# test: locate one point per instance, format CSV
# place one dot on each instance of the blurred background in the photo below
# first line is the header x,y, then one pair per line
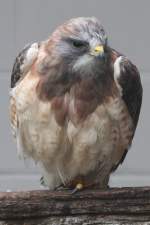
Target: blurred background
x,y
26,21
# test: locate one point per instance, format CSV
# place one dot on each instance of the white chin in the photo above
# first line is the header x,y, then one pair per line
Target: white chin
x,y
84,63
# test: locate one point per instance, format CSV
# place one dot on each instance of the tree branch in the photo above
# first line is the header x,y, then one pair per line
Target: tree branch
x,y
119,204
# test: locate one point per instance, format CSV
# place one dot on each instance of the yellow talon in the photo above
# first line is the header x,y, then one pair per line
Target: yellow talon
x,y
78,187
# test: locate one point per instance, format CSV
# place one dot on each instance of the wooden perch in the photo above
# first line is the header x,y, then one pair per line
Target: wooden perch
x,y
89,207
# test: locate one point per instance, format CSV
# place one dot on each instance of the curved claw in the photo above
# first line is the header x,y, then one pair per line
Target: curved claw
x,y
42,181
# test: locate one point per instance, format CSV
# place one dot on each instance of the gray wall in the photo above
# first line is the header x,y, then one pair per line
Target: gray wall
x,y
24,21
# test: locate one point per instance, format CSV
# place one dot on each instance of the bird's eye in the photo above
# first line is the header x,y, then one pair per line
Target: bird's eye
x,y
78,44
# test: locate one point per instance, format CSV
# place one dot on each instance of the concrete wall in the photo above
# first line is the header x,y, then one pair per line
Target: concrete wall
x,y
127,25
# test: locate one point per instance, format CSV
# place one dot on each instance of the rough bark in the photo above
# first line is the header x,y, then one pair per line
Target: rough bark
x,y
89,207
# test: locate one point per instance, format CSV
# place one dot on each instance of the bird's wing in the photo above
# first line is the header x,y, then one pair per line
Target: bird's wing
x,y
22,65
23,62
128,79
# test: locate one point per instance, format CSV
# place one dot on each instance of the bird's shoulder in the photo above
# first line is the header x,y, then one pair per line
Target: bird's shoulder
x,y
23,62
127,78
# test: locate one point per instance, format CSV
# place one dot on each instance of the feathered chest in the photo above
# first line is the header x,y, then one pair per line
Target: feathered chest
x,y
77,116
77,99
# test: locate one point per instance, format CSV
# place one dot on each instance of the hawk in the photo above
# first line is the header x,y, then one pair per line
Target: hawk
x,y
74,105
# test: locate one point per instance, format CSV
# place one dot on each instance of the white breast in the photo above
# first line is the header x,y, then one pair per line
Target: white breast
x,y
71,150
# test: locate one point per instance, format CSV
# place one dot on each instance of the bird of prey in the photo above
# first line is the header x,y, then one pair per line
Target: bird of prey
x,y
74,105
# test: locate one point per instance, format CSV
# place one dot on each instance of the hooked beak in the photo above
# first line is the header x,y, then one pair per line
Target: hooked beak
x,y
97,51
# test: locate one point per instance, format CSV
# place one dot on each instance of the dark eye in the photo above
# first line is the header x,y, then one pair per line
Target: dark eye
x,y
78,44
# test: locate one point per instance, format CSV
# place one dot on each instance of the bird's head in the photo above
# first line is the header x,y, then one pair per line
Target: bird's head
x,y
81,43
75,51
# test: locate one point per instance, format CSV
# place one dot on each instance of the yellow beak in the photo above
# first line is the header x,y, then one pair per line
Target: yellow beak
x,y
98,50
